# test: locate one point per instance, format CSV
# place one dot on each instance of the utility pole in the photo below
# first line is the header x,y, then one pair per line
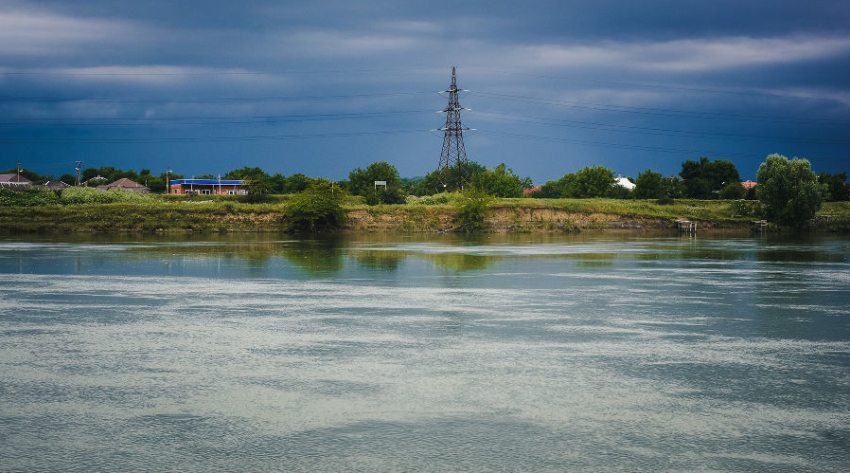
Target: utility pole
x,y
454,151
79,166
168,180
19,171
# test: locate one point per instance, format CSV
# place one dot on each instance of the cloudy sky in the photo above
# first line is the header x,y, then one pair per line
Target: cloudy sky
x,y
322,87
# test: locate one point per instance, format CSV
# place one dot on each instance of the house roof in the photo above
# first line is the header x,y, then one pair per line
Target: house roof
x,y
748,184
125,183
528,191
625,182
13,178
56,185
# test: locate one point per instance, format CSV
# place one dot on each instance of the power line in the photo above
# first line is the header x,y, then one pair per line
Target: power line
x,y
207,100
198,120
210,138
214,73
656,111
654,131
617,145
644,84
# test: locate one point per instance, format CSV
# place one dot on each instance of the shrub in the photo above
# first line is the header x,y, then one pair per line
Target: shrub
x,y
319,207
28,198
88,195
733,191
472,209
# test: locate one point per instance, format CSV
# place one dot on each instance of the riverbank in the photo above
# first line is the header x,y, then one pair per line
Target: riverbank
x,y
506,215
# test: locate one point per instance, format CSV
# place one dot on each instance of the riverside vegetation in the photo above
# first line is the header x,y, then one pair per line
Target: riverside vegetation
x,y
789,194
89,210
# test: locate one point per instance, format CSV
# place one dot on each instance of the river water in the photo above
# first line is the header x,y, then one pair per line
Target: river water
x,y
425,353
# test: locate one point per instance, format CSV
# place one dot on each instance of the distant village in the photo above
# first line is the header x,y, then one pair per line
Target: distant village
x,y
16,181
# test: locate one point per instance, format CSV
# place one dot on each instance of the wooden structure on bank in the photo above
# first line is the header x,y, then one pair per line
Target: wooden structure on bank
x,y
686,226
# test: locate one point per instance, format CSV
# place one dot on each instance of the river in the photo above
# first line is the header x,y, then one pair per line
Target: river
x,y
424,353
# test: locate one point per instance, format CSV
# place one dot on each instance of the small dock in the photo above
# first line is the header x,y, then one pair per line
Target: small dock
x,y
687,226
760,226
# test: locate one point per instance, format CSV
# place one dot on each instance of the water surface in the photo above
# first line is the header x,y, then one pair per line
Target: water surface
x,y
530,352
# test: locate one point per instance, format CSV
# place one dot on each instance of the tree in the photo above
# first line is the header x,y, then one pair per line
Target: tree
x,y
472,209
319,207
500,182
789,190
361,181
648,185
671,188
297,183
69,179
431,183
589,182
733,191
705,179
835,183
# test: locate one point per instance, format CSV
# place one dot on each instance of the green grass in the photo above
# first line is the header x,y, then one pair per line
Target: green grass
x,y
52,212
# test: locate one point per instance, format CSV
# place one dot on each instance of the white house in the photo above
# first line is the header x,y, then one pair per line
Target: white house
x,y
625,183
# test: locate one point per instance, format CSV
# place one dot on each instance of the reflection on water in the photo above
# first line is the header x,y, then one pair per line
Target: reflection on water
x,y
529,352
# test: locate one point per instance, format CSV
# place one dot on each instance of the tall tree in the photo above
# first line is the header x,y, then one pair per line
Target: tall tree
x,y
648,185
836,184
704,179
501,182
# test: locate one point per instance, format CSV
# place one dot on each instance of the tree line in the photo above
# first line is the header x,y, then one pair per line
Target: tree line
x,y
698,179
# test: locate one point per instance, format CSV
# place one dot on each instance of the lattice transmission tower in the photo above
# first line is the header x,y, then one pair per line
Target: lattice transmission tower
x,y
454,152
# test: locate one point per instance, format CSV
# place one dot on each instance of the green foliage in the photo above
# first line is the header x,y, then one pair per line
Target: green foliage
x,y
747,208
319,207
247,173
836,185
789,190
28,198
648,185
433,184
500,182
297,183
258,190
733,191
471,208
671,187
704,179
591,181
88,195
361,182
109,173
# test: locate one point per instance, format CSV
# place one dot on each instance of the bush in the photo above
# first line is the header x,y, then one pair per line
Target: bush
x,y
88,195
733,191
472,209
789,190
319,207
28,198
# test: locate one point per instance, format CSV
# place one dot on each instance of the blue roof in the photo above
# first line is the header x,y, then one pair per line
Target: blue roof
x,y
209,181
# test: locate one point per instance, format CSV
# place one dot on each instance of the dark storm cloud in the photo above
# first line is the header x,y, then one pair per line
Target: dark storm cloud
x,y
189,62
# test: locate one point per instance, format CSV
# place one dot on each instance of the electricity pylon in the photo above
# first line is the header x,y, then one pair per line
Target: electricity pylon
x,y
454,152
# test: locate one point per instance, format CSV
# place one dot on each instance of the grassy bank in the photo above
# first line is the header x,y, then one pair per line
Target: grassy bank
x,y
153,213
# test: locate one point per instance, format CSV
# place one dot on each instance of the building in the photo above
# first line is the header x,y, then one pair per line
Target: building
x,y
54,186
748,184
14,181
208,187
126,185
625,183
